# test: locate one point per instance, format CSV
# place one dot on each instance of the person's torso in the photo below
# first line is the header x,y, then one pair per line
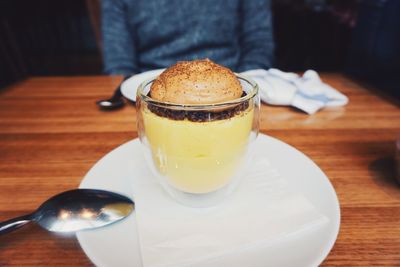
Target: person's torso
x,y
165,31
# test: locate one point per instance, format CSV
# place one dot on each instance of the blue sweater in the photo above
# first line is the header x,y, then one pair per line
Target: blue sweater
x,y
140,35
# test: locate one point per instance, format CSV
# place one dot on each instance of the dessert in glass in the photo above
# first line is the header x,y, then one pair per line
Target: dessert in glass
x,y
196,122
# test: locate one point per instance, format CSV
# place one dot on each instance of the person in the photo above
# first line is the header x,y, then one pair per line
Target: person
x,y
140,35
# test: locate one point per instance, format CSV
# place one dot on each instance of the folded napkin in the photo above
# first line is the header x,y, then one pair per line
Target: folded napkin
x,y
263,209
307,93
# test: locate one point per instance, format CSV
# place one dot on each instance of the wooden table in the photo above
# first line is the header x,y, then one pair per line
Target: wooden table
x,y
51,133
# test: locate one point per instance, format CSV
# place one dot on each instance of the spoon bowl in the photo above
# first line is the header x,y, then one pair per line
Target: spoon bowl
x,y
116,101
75,210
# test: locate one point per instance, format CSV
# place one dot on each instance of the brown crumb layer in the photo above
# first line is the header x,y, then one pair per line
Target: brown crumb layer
x,y
198,116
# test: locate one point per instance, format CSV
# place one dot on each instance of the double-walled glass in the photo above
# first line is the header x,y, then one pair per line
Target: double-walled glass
x,y
198,152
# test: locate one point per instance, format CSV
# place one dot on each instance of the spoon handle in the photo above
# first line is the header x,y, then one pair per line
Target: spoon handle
x,y
13,224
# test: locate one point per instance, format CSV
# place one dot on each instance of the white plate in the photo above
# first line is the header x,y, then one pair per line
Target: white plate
x,y
117,245
129,86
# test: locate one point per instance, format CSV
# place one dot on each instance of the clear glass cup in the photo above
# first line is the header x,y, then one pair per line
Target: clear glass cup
x,y
198,152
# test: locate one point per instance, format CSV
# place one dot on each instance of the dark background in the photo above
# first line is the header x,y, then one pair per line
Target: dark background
x,y
358,37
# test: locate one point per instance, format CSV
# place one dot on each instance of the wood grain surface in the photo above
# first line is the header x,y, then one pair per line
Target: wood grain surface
x,y
51,133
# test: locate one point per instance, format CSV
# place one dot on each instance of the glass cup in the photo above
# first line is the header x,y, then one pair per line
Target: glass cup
x,y
198,152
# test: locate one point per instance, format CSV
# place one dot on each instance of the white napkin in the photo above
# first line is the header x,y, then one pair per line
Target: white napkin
x,y
307,93
261,211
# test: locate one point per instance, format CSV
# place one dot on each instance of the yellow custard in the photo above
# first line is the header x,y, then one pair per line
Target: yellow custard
x,y
198,157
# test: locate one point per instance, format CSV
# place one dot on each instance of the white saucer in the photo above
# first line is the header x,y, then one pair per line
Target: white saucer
x,y
117,245
129,86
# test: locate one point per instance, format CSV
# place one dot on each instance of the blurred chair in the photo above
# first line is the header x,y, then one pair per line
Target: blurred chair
x,y
94,8
12,64
313,33
374,55
46,37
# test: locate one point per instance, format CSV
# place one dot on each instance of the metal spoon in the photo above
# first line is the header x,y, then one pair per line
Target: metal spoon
x,y
75,210
116,101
